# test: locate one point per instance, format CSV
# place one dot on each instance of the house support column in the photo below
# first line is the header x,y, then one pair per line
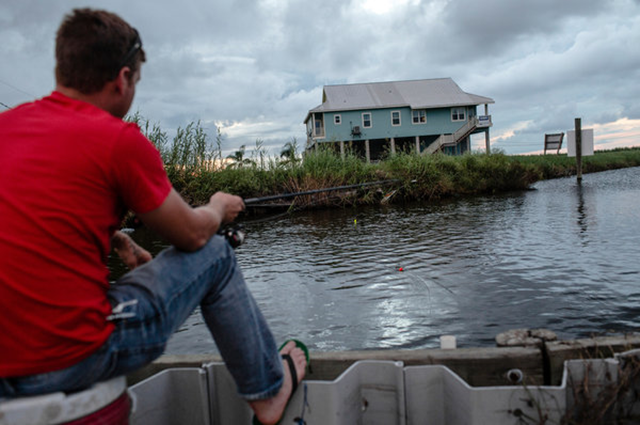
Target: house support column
x,y
418,145
367,150
486,142
393,146
486,133
342,148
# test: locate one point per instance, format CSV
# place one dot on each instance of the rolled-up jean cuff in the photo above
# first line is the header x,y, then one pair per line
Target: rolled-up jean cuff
x,y
268,393
150,303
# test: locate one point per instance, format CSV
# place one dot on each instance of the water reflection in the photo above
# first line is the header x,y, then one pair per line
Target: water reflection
x,y
562,257
582,212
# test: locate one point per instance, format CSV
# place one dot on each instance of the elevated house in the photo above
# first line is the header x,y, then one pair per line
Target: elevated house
x,y
372,119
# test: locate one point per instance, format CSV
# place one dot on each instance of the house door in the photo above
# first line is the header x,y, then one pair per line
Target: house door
x,y
319,125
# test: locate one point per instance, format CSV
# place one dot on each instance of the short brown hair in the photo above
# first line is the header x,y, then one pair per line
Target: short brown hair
x,y
91,46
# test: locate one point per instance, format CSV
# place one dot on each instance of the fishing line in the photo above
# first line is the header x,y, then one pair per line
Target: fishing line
x,y
17,89
293,208
439,284
315,191
428,292
235,233
290,210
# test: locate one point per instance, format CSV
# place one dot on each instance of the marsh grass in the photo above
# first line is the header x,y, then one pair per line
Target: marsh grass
x,y
440,176
599,391
553,166
197,169
609,398
420,177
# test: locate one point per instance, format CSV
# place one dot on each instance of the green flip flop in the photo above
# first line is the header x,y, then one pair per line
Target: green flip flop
x,y
292,370
300,345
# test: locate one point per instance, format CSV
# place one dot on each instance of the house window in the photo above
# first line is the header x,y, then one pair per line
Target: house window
x,y
395,118
419,116
458,114
337,119
366,120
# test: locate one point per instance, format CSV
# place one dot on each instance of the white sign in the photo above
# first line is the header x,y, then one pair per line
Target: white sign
x,y
587,142
484,121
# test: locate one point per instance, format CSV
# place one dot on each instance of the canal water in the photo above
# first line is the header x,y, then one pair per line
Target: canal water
x,y
562,256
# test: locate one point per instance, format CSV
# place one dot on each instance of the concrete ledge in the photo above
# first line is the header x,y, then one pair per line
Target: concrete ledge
x,y
591,348
479,367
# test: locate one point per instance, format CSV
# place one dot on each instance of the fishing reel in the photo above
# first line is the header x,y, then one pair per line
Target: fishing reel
x,y
234,234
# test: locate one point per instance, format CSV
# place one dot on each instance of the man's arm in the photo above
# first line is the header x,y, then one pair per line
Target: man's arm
x,y
187,228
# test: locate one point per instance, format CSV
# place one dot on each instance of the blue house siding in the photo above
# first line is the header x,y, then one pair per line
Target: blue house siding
x,y
438,122
451,117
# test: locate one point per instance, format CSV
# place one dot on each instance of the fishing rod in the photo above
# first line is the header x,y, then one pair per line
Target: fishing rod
x,y
235,234
315,191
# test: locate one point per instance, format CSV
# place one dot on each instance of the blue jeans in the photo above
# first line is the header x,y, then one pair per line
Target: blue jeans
x,y
152,301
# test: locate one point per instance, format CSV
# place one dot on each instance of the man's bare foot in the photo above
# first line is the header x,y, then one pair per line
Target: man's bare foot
x,y
270,411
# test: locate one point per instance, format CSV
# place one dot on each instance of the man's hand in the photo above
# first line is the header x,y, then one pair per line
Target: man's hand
x,y
131,254
187,228
228,206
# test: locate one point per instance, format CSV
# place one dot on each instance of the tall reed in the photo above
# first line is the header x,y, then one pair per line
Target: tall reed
x,y
197,169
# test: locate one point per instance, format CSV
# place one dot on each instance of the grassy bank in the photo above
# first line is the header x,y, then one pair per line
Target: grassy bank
x,y
553,166
197,169
421,178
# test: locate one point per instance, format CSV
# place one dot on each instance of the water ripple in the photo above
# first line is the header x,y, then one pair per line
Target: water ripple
x,y
563,257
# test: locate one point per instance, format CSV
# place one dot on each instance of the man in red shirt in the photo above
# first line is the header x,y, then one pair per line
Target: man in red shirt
x,y
69,169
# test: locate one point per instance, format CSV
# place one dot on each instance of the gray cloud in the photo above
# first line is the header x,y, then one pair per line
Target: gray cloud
x,y
257,66
500,27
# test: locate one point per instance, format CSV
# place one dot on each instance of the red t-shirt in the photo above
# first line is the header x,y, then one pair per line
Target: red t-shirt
x,y
68,172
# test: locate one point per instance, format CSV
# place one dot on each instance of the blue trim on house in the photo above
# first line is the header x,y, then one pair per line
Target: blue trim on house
x,y
438,122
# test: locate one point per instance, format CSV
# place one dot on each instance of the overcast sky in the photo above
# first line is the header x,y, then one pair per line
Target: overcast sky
x,y
256,67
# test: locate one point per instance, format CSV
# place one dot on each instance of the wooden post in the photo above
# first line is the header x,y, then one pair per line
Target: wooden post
x,y
342,148
418,145
487,143
367,150
578,124
393,146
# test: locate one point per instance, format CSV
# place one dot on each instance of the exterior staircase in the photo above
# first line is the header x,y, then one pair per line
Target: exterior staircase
x,y
463,132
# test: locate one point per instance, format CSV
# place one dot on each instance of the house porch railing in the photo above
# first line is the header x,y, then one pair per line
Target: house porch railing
x,y
460,134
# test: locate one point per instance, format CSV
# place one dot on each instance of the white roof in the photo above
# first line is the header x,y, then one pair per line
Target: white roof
x,y
417,94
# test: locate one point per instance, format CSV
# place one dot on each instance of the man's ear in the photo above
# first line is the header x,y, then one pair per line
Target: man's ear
x,y
122,80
